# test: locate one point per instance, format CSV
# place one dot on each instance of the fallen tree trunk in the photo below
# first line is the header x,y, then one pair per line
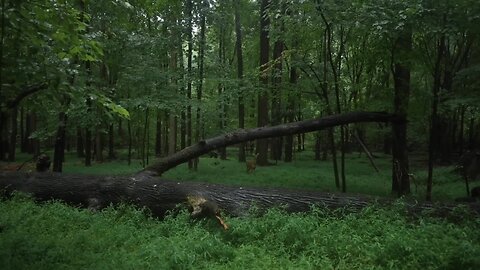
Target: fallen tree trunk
x,y
239,136
145,189
160,196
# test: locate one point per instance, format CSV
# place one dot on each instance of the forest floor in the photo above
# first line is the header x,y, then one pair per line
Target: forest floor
x,y
303,173
53,235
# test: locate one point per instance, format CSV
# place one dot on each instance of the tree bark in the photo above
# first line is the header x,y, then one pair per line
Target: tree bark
x,y
161,196
434,116
199,123
99,146
262,115
80,144
58,156
172,134
12,147
277,143
189,6
208,145
158,135
401,75
111,143
241,99
290,114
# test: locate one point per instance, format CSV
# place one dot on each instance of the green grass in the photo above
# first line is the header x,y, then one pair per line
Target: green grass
x,y
55,236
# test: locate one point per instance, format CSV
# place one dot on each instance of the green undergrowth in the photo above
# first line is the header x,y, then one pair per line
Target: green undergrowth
x,y
55,236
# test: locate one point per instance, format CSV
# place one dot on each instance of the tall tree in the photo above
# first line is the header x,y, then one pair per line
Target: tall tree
x,y
401,76
201,56
278,48
189,7
241,98
262,111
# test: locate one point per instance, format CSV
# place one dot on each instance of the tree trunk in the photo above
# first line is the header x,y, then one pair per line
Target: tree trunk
x,y
29,125
3,116
80,144
262,115
158,135
129,127
222,102
161,196
12,147
3,135
199,123
461,142
172,134
111,143
99,146
241,98
433,121
290,114
58,156
401,75
23,139
205,146
277,143
189,6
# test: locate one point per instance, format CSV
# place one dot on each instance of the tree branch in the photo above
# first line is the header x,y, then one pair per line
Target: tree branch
x,y
29,90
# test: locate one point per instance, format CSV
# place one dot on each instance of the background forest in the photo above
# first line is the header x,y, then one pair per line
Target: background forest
x,y
111,80
109,87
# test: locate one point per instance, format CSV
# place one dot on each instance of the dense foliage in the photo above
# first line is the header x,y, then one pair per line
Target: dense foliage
x,y
156,76
121,81
52,236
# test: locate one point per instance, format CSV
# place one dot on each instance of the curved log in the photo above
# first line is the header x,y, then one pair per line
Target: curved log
x,y
239,136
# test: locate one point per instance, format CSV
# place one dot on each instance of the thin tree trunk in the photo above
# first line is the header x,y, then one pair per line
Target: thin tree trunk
x,y
335,67
144,140
166,133
120,133
290,114
35,143
3,115
241,98
88,147
189,6
28,131
58,156
277,143
172,134
433,120
80,144
3,135
23,140
461,142
12,147
129,127
158,135
324,86
111,143
99,146
199,124
262,114
221,87
401,75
